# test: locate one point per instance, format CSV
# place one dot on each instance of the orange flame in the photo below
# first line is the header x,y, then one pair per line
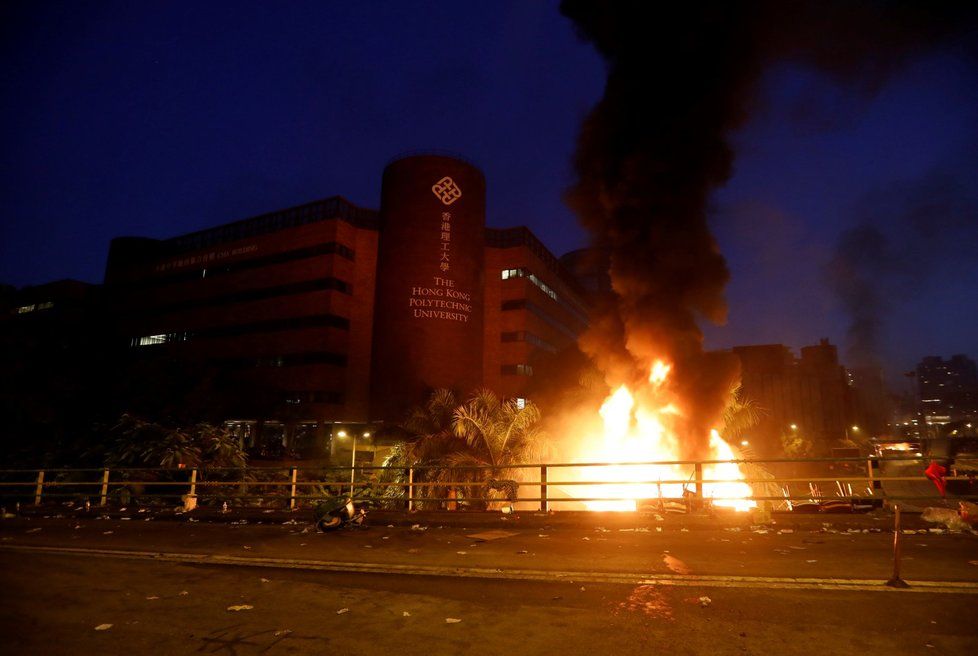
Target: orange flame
x,y
644,432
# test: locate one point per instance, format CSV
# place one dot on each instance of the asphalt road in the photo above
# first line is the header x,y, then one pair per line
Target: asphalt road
x,y
558,592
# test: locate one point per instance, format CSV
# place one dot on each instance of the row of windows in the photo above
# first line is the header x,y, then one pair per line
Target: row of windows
x,y
323,210
292,360
320,284
517,370
272,325
523,304
529,338
33,307
298,398
571,307
328,248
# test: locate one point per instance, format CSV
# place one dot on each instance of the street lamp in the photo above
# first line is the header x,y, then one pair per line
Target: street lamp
x,y
794,427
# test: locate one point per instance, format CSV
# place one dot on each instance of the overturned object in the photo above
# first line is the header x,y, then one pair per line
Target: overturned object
x,y
950,518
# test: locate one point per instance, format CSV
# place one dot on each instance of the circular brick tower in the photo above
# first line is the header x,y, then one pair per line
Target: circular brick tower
x,y
428,326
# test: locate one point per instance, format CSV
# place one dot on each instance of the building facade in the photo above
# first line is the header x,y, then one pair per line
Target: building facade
x,y
348,316
807,396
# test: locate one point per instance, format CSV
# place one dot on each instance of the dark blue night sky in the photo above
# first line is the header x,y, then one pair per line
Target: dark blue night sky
x,y
161,118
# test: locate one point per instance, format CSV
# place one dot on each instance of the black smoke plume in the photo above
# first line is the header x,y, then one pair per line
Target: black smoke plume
x,y
904,237
681,78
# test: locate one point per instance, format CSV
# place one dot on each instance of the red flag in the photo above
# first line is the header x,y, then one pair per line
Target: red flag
x,y
935,472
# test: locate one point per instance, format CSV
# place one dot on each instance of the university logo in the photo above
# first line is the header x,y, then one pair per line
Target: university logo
x,y
447,191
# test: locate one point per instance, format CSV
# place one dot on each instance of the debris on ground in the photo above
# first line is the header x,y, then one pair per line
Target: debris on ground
x,y
342,611
418,527
495,534
705,601
151,598
266,580
282,632
452,620
950,518
404,613
32,530
103,627
968,512
240,607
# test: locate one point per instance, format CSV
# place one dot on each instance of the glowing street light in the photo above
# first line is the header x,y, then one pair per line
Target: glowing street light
x,y
794,426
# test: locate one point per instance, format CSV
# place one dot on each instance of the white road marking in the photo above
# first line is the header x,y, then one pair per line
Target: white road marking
x,y
629,578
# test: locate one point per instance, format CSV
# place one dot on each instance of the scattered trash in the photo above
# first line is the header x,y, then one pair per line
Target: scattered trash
x,y
282,632
245,547
586,538
184,593
342,610
582,588
658,529
522,551
106,532
151,598
705,601
418,527
103,627
811,561
266,581
240,607
405,614
32,530
785,530
461,553
684,530
452,620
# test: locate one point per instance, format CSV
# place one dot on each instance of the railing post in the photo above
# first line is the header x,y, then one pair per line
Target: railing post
x,y
294,474
896,581
39,488
698,475
544,505
193,483
104,497
410,490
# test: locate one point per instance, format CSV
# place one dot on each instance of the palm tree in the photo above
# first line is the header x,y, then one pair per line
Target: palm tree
x,y
474,444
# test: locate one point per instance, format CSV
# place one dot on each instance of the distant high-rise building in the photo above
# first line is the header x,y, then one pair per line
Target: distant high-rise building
x,y
948,389
809,396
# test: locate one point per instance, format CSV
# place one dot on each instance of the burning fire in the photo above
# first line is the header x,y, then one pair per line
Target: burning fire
x,y
644,432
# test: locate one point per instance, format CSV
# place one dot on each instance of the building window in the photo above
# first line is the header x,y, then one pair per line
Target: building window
x,y
517,370
162,338
529,338
520,403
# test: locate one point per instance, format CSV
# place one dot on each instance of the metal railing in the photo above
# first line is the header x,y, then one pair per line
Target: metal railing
x,y
547,486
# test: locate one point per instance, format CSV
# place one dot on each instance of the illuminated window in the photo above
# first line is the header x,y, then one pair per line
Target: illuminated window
x,y
520,403
163,338
516,370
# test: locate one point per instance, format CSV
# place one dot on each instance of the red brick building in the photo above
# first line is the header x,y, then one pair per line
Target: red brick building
x,y
351,315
